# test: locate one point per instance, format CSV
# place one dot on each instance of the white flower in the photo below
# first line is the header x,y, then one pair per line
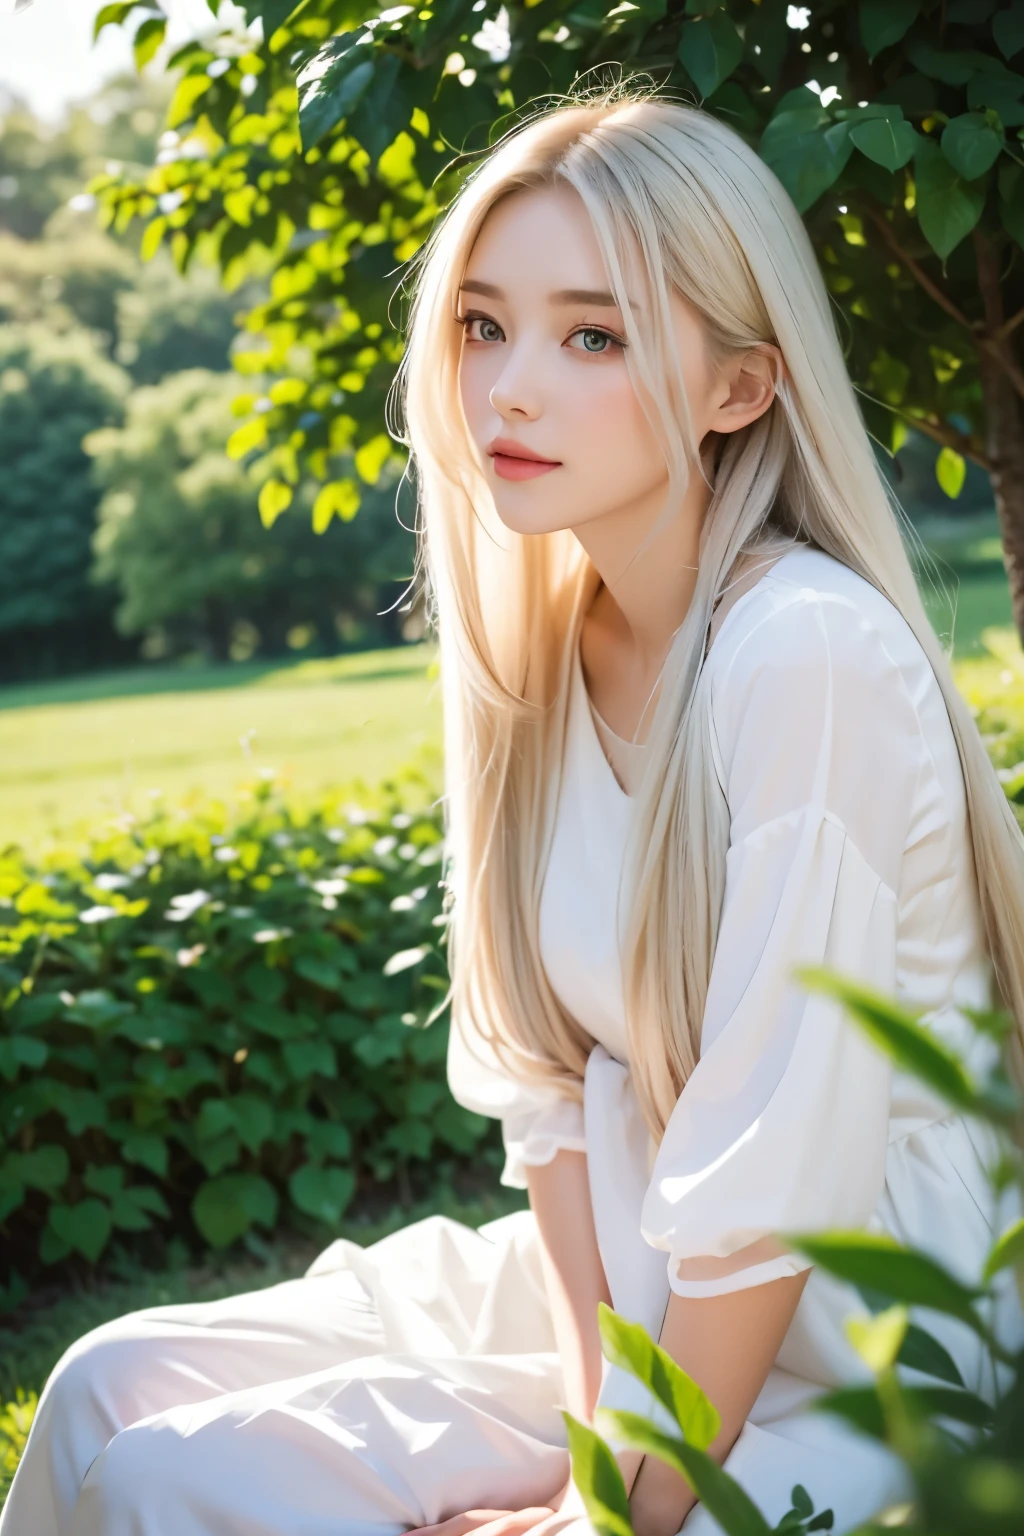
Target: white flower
x,y
493,37
268,935
402,904
96,914
226,855
384,846
184,907
330,887
190,956
111,882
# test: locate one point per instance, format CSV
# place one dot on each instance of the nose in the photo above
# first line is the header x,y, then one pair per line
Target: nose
x,y
516,392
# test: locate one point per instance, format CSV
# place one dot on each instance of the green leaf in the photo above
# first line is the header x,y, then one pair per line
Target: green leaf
x,y
950,68
226,1207
151,238
107,1181
148,1150
950,471
971,145
332,83
45,1168
725,1500
338,498
921,1352
114,15
320,972
597,1476
631,1347
863,1408
324,1193
898,1033
183,102
276,1022
372,456
879,1339
948,207
807,152
84,1227
1008,30
275,497
889,142
147,40
253,1119
884,22
1009,1249
309,1058
709,50
879,1262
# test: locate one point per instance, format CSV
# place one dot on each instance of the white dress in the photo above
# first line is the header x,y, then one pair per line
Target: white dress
x,y
400,1384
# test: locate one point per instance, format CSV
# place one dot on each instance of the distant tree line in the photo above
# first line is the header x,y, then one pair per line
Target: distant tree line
x,y
125,531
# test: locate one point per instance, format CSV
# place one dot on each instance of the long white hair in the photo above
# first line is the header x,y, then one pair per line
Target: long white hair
x,y
678,201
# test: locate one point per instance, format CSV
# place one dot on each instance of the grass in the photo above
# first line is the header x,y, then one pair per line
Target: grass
x,y
78,750
75,750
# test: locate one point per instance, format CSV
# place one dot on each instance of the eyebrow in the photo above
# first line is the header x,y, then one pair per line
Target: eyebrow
x,y
598,296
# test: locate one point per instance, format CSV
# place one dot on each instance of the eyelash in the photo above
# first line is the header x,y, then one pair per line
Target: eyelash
x,y
594,330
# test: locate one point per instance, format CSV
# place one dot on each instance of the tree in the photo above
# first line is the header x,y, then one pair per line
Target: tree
x,y
180,537
53,390
328,146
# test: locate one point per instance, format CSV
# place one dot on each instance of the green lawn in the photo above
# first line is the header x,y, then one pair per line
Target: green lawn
x,y
72,751
78,750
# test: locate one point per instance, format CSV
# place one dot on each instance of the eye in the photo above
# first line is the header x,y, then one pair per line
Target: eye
x,y
596,340
489,330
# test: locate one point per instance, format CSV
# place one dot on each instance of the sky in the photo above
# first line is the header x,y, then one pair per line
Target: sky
x,y
47,53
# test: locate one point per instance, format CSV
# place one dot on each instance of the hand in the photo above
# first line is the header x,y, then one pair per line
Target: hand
x,y
489,1522
538,1520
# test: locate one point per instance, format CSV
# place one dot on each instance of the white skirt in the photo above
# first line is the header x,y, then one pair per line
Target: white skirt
x,y
390,1387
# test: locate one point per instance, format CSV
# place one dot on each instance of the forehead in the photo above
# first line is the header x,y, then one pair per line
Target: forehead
x,y
539,235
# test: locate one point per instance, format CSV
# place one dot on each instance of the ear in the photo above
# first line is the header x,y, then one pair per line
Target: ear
x,y
752,381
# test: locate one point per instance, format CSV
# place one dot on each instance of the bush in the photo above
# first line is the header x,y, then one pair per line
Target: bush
x,y
212,1024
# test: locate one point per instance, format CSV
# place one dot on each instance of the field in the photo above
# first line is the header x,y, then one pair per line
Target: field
x,y
86,748
76,750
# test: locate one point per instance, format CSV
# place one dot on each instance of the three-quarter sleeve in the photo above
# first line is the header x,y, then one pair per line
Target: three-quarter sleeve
x,y
537,1121
783,1124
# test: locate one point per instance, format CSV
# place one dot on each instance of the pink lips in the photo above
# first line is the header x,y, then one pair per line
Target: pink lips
x,y
509,468
513,462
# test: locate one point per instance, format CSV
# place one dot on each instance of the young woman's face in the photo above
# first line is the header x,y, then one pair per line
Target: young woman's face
x,y
543,370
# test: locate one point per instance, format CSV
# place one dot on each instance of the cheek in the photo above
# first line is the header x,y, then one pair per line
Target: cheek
x,y
476,379
614,440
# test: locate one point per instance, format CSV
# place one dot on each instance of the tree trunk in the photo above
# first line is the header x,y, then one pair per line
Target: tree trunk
x,y
1004,428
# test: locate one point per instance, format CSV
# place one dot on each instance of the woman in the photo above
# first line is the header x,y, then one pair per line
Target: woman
x,y
698,730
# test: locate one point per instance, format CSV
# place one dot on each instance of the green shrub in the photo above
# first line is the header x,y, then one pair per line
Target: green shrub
x,y
210,1024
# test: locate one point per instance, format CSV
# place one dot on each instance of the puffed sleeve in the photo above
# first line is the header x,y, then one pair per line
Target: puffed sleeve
x,y
536,1120
783,1124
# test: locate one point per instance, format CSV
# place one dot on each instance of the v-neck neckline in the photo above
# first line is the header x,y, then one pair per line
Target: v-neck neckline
x,y
590,725
591,728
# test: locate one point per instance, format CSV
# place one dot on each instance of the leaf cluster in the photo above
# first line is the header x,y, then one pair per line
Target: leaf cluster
x,y
210,1025
323,153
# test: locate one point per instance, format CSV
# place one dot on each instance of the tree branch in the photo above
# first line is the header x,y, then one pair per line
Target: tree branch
x,y
986,338
948,437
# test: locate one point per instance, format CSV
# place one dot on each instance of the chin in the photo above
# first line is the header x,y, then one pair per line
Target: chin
x,y
520,514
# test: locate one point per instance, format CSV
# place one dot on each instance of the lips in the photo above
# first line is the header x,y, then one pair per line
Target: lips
x,y
505,448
